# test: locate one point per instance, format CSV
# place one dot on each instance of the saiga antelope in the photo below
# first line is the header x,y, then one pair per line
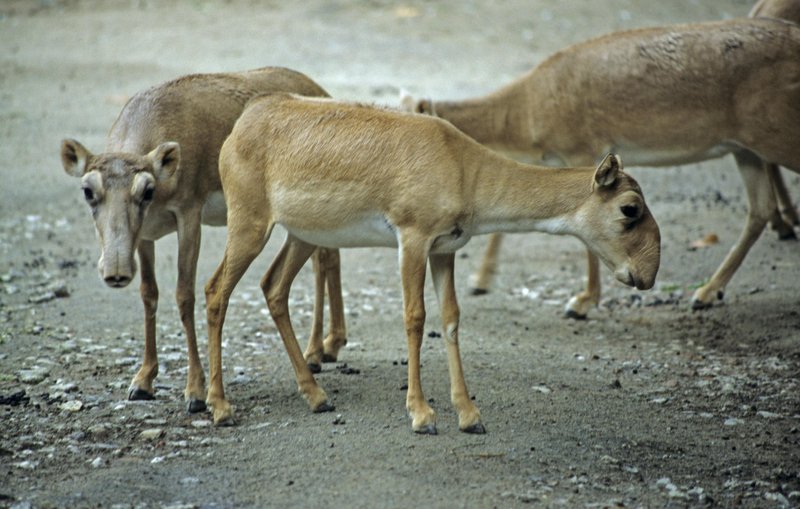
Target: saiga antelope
x,y
159,175
342,175
658,96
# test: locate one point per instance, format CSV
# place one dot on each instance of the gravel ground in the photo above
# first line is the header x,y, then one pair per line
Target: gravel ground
x,y
645,404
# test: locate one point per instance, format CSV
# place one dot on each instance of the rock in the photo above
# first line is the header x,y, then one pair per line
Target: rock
x,y
33,375
98,462
72,406
151,434
201,423
62,386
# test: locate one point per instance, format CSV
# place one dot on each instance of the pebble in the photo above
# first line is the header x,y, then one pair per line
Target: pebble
x,y
151,434
33,375
98,462
72,406
201,423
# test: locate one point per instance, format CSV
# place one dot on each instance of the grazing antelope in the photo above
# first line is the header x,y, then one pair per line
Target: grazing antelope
x,y
343,175
659,96
159,175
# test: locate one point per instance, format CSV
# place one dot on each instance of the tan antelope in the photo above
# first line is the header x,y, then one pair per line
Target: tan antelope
x,y
658,96
342,175
788,10
158,176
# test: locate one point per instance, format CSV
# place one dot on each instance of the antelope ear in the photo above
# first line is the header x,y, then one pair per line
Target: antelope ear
x,y
608,170
408,103
165,159
75,157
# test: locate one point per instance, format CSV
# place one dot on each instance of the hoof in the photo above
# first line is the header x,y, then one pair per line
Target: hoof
x,y
314,367
326,357
788,235
428,429
478,291
225,422
476,429
137,394
195,406
699,304
574,315
324,407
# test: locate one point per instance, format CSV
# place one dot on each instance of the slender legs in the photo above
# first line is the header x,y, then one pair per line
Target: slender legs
x,y
761,208
142,383
483,278
326,270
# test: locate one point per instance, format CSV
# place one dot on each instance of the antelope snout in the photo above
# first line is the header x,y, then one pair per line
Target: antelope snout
x,y
633,278
117,275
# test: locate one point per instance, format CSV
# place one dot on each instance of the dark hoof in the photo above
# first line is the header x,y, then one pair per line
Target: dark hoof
x,y
788,235
314,367
325,407
476,429
430,429
571,313
195,406
698,305
137,394
478,291
326,357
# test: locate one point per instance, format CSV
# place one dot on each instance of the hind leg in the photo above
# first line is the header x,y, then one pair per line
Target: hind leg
x,y
785,218
761,200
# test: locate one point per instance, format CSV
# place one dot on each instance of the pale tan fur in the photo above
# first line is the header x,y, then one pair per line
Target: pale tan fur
x,y
159,175
343,175
658,96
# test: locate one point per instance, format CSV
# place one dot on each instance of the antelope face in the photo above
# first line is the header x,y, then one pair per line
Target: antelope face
x,y
619,228
119,188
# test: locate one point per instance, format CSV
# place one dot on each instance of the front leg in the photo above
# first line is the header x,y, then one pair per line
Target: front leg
x,y
482,280
188,251
578,306
412,271
142,383
442,268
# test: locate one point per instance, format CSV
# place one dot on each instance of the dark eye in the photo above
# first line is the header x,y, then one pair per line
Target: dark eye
x,y
88,194
630,211
148,194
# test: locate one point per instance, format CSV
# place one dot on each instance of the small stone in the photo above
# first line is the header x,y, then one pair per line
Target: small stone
x,y
62,386
72,406
41,298
732,421
98,462
768,415
27,465
151,434
99,430
201,423
542,389
33,375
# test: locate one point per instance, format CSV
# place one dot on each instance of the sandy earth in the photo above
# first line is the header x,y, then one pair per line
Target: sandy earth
x,y
645,404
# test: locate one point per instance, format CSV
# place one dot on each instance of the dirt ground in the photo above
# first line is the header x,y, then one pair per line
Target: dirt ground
x,y
645,404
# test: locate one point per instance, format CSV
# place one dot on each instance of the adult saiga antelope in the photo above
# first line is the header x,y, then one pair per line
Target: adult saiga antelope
x,y
343,175
658,96
159,175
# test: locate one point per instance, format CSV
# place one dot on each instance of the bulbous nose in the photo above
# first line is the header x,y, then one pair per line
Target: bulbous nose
x,y
117,280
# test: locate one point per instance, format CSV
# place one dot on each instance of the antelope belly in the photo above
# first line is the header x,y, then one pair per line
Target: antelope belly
x,y
214,212
373,231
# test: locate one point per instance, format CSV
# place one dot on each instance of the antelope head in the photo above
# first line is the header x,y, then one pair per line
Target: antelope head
x,y
119,188
617,226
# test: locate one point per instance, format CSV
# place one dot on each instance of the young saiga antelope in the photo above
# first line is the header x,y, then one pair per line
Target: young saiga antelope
x,y
159,175
343,175
660,97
